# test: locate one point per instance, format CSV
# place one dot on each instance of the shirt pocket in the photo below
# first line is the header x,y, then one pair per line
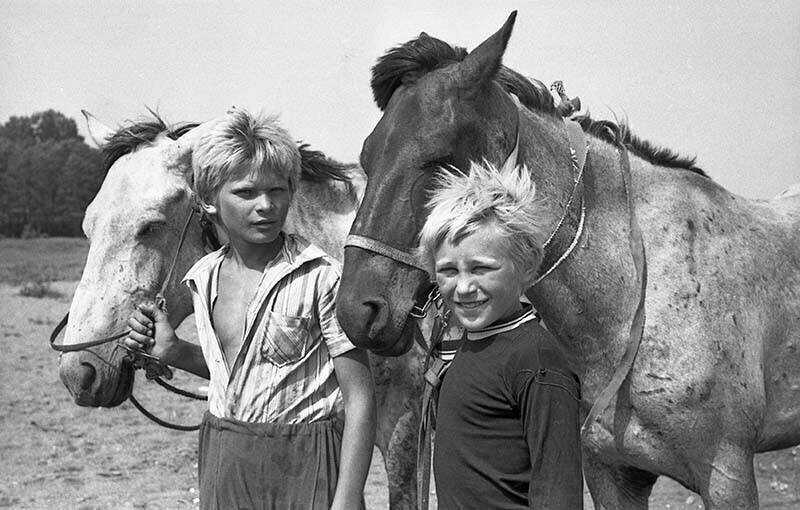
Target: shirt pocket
x,y
285,339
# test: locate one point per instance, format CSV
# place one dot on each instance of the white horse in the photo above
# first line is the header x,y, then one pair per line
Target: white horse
x,y
134,225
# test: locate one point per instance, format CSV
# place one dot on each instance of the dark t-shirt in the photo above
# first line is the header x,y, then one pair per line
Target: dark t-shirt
x,y
507,426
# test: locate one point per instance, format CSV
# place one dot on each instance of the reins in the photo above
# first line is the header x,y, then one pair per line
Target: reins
x,y
637,323
152,366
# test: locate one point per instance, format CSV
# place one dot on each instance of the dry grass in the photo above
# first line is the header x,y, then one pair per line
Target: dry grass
x,y
42,260
39,290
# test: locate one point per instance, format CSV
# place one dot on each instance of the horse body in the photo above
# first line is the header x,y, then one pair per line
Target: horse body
x,y
715,379
716,375
134,225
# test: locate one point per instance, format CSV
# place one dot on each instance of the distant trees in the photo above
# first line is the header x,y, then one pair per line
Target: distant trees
x,y
48,175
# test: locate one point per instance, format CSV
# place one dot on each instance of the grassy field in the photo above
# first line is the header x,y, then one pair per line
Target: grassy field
x,y
42,260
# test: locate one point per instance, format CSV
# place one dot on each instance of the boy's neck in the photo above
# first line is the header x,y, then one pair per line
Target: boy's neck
x,y
254,256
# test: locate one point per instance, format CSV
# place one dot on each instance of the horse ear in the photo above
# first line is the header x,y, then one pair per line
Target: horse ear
x,y
179,156
98,132
482,64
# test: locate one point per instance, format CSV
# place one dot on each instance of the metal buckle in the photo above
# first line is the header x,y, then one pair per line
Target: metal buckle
x,y
419,312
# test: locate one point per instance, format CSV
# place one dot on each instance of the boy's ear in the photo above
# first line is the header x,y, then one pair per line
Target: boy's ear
x,y
207,208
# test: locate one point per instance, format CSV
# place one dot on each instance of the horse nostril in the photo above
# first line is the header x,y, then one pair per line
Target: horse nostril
x,y
376,315
85,375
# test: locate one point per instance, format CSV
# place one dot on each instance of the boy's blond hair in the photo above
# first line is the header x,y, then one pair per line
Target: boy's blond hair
x,y
239,144
487,196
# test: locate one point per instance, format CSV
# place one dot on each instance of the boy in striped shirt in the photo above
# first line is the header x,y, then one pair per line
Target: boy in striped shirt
x,y
280,368
507,422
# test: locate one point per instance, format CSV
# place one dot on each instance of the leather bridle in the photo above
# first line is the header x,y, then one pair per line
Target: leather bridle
x,y
152,366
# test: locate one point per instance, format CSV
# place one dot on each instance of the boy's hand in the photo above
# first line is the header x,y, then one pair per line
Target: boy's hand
x,y
151,332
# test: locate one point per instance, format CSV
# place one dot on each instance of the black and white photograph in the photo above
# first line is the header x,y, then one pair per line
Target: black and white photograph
x,y
399,255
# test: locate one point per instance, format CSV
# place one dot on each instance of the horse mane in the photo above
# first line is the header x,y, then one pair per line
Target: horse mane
x,y
131,135
404,64
317,167
620,134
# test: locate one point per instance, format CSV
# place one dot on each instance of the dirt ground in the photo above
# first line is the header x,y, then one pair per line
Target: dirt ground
x,y
58,455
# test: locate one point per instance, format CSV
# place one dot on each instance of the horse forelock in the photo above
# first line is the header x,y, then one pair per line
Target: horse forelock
x,y
405,63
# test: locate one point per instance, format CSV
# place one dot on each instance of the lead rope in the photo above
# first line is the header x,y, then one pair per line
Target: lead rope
x,y
437,359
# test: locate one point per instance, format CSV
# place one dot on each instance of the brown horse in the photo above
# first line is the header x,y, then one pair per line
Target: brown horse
x,y
134,225
717,375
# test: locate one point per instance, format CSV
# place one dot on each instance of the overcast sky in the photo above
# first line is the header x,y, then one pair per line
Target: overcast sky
x,y
718,80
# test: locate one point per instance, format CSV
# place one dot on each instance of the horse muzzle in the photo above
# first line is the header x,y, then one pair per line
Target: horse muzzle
x,y
374,300
95,380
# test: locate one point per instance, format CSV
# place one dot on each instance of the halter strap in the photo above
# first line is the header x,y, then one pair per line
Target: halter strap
x,y
381,248
579,153
511,160
184,231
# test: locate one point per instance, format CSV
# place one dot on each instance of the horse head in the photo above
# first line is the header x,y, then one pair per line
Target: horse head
x,y
134,225
441,108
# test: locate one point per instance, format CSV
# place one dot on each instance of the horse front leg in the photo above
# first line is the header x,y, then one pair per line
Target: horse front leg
x,y
615,487
400,462
398,389
729,481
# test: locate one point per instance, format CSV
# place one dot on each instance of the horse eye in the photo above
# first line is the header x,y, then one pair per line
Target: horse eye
x,y
443,162
150,228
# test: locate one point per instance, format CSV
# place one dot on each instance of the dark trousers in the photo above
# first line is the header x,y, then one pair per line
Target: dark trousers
x,y
266,465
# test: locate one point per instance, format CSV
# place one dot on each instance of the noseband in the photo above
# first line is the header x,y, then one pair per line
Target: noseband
x,y
152,366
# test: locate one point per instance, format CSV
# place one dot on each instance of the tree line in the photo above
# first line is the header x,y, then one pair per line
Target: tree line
x,y
48,175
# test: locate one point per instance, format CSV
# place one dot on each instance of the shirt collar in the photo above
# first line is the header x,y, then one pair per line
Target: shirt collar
x,y
295,249
525,315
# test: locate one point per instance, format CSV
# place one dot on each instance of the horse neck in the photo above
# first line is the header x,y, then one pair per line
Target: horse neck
x,y
545,149
322,212
592,295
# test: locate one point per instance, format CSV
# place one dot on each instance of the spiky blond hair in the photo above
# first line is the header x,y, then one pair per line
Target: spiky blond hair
x,y
505,198
239,144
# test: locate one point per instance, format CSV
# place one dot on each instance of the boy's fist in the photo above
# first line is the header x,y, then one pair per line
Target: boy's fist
x,y
151,332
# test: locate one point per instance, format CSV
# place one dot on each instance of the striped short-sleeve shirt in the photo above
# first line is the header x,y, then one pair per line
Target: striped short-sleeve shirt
x,y
285,373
